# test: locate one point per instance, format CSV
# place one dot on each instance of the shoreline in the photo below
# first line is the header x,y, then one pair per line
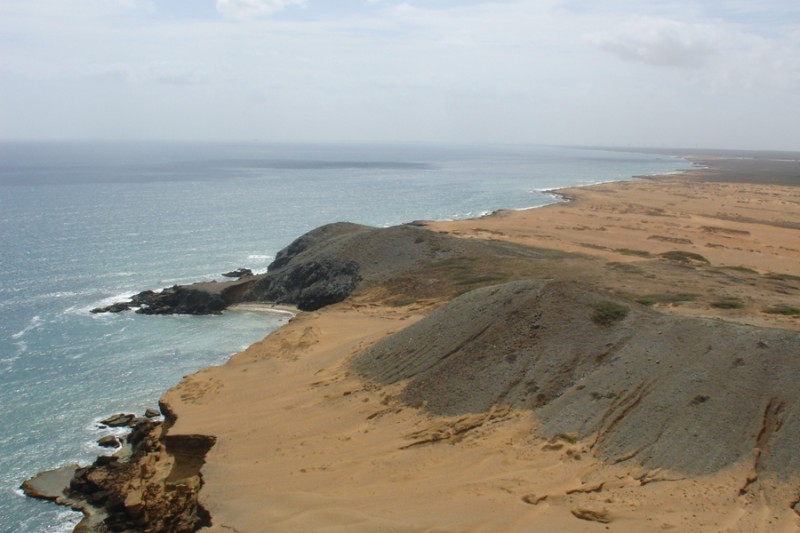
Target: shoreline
x,y
737,225
268,308
334,334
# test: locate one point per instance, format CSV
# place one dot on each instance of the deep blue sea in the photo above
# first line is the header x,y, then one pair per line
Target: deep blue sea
x,y
86,224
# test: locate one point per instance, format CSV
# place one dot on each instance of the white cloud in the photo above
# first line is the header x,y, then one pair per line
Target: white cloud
x,y
244,9
502,70
715,54
661,42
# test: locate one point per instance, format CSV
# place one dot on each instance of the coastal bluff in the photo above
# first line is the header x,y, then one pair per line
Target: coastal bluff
x,y
324,267
421,347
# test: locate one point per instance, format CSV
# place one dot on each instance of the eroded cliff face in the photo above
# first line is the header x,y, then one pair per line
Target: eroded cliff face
x,y
151,484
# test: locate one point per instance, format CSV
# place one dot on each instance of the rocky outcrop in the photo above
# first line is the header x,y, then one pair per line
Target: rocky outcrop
x,y
185,300
238,273
328,264
310,285
196,299
120,420
116,307
151,486
108,441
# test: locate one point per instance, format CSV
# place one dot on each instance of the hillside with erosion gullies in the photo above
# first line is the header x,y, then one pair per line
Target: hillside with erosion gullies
x,y
501,374
690,395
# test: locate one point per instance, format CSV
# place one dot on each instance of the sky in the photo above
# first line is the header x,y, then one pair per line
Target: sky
x,y
618,73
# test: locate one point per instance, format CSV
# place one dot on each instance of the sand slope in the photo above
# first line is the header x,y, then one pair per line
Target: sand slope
x,y
305,445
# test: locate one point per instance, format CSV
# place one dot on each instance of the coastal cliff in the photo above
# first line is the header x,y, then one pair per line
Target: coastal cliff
x,y
453,341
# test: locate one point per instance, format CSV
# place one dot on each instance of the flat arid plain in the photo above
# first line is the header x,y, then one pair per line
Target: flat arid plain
x,y
626,360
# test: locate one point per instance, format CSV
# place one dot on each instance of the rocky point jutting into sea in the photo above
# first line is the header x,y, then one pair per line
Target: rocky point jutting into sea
x,y
476,339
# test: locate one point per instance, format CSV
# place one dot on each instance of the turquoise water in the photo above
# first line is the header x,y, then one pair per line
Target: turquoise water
x,y
85,224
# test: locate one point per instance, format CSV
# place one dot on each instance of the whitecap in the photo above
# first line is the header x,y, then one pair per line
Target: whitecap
x,y
34,323
259,258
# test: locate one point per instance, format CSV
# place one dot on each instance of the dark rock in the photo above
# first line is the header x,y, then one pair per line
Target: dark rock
x,y
185,300
329,263
140,431
313,285
104,460
152,413
113,308
144,298
238,273
109,441
119,420
97,498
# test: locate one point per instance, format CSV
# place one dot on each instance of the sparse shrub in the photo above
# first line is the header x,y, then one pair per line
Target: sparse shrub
x,y
571,438
684,257
607,313
593,246
782,309
626,267
637,253
782,277
728,303
652,299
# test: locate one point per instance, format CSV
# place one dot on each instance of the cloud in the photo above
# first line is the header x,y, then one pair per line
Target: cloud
x,y
245,9
661,42
714,54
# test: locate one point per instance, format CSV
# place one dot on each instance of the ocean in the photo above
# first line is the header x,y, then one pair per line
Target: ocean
x,y
86,224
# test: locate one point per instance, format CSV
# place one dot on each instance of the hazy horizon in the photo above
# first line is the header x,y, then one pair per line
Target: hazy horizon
x,y
679,74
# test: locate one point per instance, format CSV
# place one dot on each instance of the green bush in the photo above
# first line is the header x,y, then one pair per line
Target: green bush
x,y
607,313
728,303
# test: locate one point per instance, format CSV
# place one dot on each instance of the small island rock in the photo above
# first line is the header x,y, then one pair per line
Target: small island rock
x,y
238,273
109,441
119,420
